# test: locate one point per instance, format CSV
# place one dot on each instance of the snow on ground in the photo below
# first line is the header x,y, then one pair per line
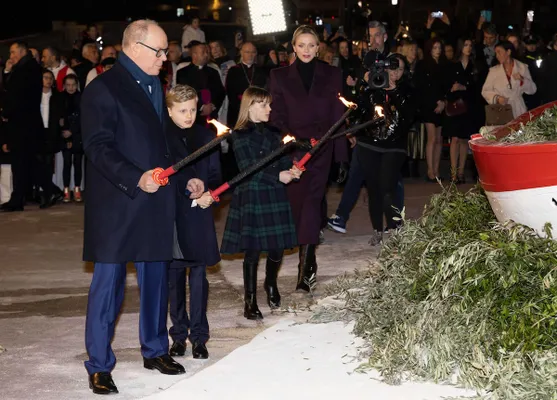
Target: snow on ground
x,y
298,361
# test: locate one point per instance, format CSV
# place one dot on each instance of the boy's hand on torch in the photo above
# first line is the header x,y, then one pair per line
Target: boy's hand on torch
x,y
146,182
205,200
196,188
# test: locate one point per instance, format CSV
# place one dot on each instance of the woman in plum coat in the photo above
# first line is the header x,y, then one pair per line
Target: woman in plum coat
x,y
306,105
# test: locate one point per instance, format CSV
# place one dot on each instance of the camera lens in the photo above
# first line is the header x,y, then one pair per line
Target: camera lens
x,y
378,80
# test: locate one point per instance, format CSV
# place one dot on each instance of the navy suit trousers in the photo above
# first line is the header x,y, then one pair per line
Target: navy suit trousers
x,y
106,295
196,327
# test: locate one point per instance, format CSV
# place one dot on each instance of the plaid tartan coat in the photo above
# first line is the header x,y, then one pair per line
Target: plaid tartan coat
x,y
259,217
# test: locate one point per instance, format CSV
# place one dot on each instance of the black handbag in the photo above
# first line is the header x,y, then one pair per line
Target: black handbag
x,y
456,107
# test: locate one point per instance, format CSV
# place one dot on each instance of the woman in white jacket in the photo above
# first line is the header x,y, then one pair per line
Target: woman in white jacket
x,y
508,81
192,32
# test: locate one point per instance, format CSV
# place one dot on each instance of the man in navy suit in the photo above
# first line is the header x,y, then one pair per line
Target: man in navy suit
x,y
128,217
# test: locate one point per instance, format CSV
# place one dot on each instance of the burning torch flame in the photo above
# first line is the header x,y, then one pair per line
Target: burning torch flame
x,y
221,129
379,111
288,139
347,103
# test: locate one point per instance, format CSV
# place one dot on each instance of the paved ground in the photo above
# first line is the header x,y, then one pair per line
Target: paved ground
x,y
43,298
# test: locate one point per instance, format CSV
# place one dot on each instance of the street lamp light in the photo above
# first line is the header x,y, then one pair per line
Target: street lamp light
x,y
394,2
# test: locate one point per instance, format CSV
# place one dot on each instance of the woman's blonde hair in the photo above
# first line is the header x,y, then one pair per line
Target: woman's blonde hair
x,y
302,30
251,95
180,94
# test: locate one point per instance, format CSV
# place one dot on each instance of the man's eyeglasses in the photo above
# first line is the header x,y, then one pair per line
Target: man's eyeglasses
x,y
159,52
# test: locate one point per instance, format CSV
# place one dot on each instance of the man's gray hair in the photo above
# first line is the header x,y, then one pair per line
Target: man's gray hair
x,y
137,31
377,24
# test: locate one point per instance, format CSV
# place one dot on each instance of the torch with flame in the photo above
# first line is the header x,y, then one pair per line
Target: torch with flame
x,y
221,128
347,103
160,176
317,144
288,141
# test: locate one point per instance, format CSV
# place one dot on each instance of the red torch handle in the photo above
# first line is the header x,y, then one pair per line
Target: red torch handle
x,y
218,191
300,164
160,176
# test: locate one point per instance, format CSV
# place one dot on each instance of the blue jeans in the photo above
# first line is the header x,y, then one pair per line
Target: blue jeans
x,y
353,186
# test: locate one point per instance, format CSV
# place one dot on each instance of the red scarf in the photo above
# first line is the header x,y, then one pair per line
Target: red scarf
x,y
60,78
169,76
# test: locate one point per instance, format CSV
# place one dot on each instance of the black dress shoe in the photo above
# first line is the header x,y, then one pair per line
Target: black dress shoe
x,y
178,348
48,202
9,208
199,350
164,364
102,383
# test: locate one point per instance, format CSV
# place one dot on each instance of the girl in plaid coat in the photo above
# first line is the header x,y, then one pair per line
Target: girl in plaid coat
x,y
260,218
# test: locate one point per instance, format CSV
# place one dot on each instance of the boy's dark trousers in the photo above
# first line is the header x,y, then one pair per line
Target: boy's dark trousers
x,y
196,327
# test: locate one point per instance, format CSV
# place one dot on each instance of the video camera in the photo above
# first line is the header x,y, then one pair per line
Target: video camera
x,y
372,93
377,64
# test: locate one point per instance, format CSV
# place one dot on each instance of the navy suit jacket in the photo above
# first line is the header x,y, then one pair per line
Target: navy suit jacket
x,y
123,137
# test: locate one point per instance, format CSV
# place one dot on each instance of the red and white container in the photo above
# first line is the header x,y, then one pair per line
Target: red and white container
x,y
520,180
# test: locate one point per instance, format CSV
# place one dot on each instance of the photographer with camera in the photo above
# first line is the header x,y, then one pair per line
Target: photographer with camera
x,y
381,151
337,222
356,178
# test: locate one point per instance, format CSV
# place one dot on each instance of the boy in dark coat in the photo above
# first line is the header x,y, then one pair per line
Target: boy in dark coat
x,y
195,243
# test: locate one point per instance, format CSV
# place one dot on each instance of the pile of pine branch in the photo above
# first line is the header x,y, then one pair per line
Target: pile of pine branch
x,y
457,296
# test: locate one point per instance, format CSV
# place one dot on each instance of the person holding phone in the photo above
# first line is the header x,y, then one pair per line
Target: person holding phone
x,y
486,40
486,15
441,30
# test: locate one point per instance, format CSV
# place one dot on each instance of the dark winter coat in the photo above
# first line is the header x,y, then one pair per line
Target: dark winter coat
x,y
123,137
259,217
195,227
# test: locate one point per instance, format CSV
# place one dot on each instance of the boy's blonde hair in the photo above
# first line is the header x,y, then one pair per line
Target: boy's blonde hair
x,y
180,94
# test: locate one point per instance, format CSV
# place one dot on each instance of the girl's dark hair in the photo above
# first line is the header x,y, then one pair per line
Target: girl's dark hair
x,y
429,47
506,45
405,79
71,77
349,43
47,71
472,58
54,86
460,47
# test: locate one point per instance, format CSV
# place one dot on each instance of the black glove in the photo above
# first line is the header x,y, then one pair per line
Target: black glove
x,y
342,172
304,144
